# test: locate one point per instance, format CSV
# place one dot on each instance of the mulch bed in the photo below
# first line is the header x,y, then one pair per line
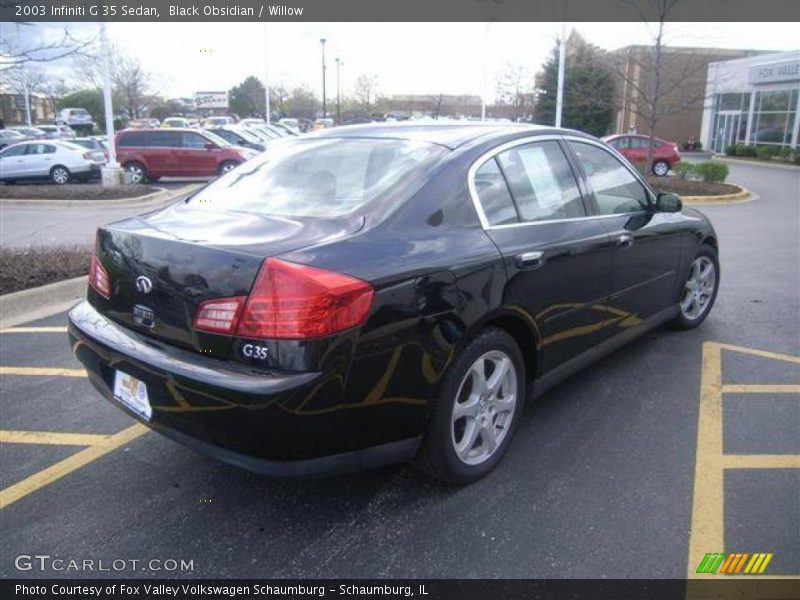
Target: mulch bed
x,y
77,191
23,268
687,187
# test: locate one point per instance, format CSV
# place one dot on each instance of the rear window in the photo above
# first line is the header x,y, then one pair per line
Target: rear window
x,y
319,178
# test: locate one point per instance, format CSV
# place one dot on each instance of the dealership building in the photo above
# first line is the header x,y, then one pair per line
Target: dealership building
x,y
753,100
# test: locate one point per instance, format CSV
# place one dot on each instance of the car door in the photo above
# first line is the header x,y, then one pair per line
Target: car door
x,y
647,243
164,153
40,158
197,159
558,260
12,161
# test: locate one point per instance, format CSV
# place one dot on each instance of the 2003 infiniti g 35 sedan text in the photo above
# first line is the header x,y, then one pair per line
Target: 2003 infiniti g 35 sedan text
x,y
373,294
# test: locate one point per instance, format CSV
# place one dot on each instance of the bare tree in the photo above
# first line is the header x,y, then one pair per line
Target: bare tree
x,y
658,91
515,88
19,47
366,89
130,80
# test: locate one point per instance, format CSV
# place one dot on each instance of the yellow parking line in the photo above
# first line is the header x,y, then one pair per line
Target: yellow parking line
x,y
761,353
38,480
761,389
58,329
51,437
761,461
42,371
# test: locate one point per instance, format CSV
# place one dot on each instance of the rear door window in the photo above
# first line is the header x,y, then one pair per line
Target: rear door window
x,y
494,195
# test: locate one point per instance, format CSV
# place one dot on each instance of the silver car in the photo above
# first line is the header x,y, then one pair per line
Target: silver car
x,y
59,161
57,132
9,136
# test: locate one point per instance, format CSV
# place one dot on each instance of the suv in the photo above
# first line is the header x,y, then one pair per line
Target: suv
x,y
154,153
77,118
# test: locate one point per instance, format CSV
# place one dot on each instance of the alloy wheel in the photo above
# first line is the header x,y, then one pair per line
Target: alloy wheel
x,y
699,288
661,168
136,173
484,407
60,175
228,167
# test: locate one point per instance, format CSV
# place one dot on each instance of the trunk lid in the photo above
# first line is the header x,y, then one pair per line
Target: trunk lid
x,y
162,266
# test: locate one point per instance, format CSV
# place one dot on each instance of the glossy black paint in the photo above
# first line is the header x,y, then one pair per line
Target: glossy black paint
x,y
439,277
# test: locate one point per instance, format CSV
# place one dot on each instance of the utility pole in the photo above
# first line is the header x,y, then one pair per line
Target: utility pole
x,y
268,110
562,51
324,106
112,175
339,63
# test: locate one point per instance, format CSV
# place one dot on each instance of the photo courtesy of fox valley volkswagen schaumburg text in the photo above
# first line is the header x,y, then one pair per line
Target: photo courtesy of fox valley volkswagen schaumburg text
x,y
367,299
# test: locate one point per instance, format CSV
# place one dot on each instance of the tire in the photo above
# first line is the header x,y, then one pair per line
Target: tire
x,y
449,451
699,292
136,171
59,175
227,166
153,179
660,168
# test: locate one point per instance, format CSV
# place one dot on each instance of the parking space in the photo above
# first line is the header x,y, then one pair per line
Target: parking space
x,y
679,445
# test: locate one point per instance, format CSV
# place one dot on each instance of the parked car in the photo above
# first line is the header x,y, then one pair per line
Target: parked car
x,y
78,119
149,154
144,123
305,125
9,136
57,132
385,293
323,123
239,136
218,121
57,160
284,130
30,133
292,124
263,132
634,148
91,143
251,121
179,122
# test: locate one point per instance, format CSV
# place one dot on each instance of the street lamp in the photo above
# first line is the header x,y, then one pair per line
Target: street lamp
x,y
339,63
324,111
112,174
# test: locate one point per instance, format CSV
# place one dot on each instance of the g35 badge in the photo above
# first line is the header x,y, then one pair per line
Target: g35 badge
x,y
254,351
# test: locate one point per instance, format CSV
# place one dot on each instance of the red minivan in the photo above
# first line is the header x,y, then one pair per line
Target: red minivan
x,y
148,154
634,148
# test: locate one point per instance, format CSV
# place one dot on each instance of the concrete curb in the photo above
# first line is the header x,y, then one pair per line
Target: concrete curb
x,y
743,195
42,301
162,195
757,163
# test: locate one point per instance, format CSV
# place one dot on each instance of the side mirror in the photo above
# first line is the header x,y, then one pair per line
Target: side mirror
x,y
667,202
211,146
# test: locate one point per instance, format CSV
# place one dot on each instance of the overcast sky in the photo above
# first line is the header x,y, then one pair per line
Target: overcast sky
x,y
416,58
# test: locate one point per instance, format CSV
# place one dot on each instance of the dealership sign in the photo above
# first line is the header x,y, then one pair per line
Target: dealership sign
x,y
211,99
785,70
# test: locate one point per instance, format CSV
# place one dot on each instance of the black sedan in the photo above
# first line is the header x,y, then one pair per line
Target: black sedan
x,y
375,294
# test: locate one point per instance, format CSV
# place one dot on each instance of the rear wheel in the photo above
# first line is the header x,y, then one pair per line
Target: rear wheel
x,y
227,166
699,290
136,172
477,411
59,175
660,168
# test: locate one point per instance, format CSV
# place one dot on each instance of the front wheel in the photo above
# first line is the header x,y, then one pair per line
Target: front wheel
x,y
660,168
699,290
136,172
59,175
227,166
477,411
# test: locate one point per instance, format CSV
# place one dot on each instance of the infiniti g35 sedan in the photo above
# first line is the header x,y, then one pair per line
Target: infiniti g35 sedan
x,y
382,293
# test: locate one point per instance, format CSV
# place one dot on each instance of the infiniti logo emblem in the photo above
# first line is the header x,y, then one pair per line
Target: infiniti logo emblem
x,y
144,285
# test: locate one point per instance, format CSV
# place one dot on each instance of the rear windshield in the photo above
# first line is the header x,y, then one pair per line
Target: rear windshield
x,y
317,178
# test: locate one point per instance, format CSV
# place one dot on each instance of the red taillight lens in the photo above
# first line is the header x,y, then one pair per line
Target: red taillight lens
x,y
291,301
220,315
98,277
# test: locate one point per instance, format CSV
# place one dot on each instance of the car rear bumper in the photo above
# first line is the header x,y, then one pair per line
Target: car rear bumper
x,y
239,414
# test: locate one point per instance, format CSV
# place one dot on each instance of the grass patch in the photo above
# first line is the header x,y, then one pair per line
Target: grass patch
x,y
23,268
77,191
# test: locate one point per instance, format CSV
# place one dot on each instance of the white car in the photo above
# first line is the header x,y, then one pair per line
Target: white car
x,y
57,132
251,122
59,161
291,123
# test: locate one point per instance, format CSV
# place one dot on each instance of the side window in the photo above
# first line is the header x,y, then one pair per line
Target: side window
x,y
194,141
495,199
41,149
616,190
541,182
134,139
17,150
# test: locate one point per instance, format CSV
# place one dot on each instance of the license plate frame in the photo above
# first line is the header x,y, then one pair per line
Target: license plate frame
x,y
132,393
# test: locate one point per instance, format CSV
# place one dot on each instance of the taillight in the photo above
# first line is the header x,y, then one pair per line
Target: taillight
x,y
87,155
98,276
292,301
220,315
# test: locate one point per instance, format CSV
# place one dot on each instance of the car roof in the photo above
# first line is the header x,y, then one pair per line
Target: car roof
x,y
451,135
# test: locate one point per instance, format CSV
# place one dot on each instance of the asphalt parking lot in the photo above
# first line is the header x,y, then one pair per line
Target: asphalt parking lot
x,y
678,445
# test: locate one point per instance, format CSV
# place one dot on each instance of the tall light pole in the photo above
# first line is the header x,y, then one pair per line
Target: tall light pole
x,y
324,107
111,174
268,110
339,63
562,51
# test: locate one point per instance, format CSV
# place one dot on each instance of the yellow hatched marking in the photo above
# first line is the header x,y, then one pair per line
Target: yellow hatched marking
x,y
51,438
62,468
42,372
58,329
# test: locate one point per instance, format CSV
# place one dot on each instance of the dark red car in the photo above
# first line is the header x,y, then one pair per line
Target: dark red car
x,y
148,154
634,148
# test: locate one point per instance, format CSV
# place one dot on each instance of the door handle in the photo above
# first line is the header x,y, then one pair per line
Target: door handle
x,y
527,260
625,240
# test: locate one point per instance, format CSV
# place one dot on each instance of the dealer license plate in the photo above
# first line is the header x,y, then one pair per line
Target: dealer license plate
x,y
133,394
